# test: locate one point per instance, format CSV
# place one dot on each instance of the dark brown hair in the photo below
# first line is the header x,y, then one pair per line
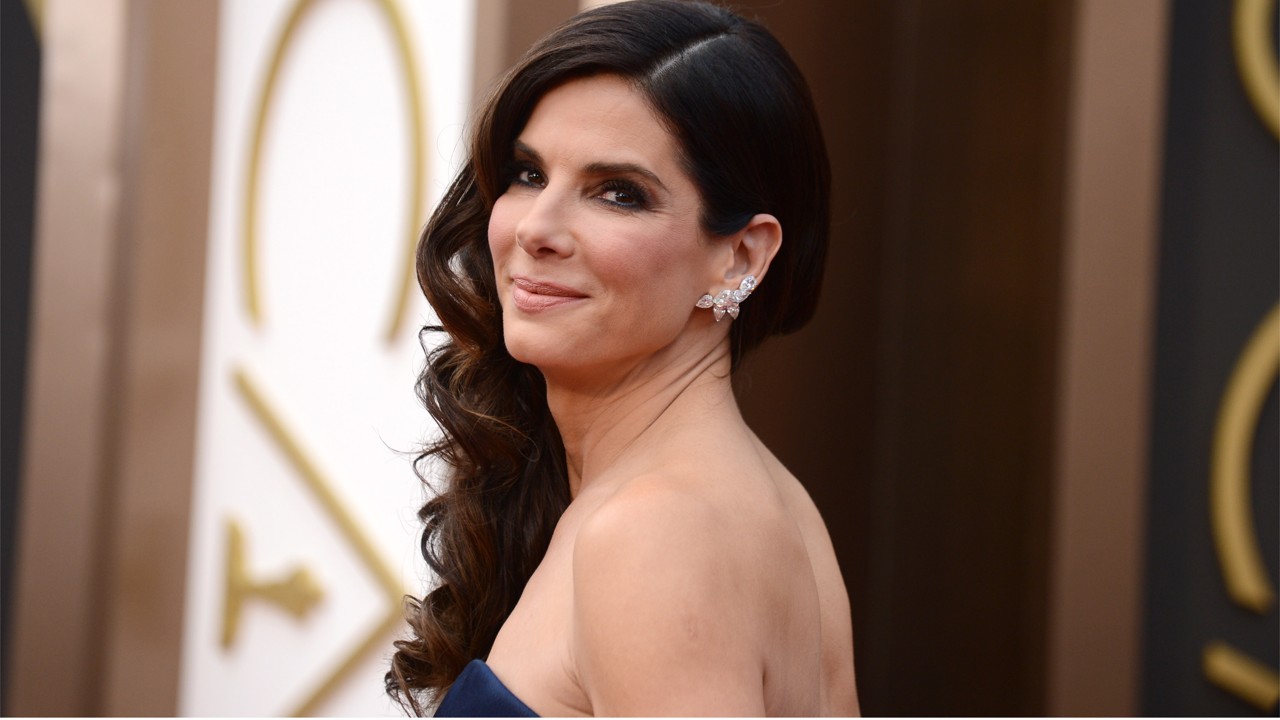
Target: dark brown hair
x,y
750,141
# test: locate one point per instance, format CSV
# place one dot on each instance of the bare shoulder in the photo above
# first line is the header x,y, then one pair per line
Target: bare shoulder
x,y
660,622
712,536
645,505
662,532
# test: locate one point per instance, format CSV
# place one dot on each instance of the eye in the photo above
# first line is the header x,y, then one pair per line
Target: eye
x,y
623,194
528,175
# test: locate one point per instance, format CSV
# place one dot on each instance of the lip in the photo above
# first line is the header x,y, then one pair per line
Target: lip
x,y
532,295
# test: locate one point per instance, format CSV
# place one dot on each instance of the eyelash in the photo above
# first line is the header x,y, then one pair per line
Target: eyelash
x,y
640,199
519,169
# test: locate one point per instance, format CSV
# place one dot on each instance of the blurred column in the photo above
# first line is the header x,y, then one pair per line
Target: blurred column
x,y
118,271
55,667
1108,291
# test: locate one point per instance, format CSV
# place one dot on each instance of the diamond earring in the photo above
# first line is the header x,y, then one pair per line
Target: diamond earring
x,y
726,301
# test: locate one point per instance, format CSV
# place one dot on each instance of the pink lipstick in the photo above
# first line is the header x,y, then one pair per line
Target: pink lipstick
x,y
536,295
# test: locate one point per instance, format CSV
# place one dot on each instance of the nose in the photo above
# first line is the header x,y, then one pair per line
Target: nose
x,y
543,230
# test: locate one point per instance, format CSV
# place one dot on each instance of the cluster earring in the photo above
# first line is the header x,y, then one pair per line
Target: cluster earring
x,y
726,301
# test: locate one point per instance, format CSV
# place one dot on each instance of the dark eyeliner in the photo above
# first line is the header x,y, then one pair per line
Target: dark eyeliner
x,y
516,168
635,191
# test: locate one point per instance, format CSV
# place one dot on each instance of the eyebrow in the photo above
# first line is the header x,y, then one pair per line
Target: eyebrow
x,y
597,168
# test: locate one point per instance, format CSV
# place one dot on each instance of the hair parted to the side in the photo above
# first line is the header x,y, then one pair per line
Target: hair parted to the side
x,y
750,141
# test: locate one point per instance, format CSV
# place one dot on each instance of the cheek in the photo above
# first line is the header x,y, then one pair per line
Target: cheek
x,y
653,253
502,228
653,269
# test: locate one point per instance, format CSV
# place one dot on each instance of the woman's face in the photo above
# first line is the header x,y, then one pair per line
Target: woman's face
x,y
597,248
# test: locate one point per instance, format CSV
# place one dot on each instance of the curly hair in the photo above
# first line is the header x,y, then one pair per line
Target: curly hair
x,y
749,139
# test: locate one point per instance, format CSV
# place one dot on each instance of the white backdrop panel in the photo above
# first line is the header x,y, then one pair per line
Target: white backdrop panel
x,y
333,184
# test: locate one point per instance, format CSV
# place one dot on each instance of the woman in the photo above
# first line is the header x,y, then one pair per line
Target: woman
x,y
645,202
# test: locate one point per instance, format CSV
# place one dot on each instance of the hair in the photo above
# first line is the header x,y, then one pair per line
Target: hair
x,y
749,139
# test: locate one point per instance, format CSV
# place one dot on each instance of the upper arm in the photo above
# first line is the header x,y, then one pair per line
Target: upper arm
x,y
662,624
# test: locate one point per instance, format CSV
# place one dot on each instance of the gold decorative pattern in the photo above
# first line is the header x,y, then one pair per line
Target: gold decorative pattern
x,y
296,594
302,461
404,47
1233,532
1242,676
322,489
1252,25
1235,537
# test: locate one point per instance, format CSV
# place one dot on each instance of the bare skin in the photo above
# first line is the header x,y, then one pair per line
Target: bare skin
x,y
691,573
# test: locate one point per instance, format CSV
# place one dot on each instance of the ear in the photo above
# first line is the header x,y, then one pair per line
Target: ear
x,y
753,248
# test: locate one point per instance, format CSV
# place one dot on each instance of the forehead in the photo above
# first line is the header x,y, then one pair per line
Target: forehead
x,y
601,117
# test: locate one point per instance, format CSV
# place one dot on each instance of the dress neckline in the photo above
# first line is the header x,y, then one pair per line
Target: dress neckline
x,y
479,693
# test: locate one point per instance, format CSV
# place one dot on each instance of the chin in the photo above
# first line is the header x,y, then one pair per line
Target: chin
x,y
581,346
536,346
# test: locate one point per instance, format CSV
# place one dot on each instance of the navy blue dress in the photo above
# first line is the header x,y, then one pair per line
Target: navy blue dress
x,y
479,693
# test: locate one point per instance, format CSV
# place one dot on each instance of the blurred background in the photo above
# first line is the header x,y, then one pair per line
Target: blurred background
x,y
1037,407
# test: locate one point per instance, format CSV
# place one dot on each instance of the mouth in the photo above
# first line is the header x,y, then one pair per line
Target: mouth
x,y
531,295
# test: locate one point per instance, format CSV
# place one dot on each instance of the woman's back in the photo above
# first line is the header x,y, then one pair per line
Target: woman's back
x,y
839,696
693,577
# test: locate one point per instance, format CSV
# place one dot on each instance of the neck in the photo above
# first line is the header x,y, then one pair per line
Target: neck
x,y
607,420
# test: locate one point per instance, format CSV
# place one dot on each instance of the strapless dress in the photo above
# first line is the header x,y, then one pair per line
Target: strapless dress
x,y
479,693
